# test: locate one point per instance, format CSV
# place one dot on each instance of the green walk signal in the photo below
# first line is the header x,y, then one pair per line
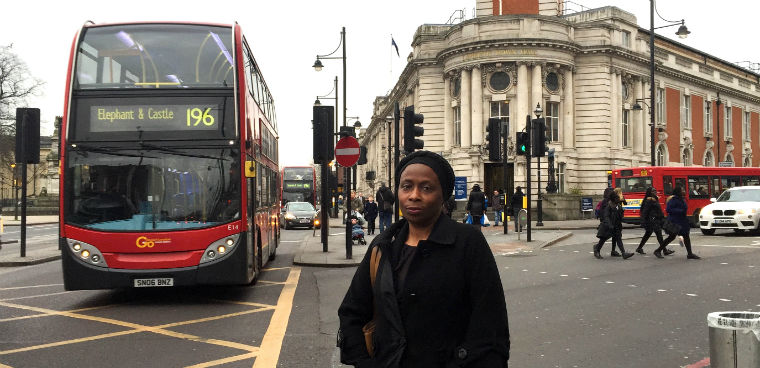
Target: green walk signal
x,y
522,143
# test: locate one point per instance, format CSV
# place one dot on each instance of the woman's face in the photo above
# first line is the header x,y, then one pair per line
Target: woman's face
x,y
420,195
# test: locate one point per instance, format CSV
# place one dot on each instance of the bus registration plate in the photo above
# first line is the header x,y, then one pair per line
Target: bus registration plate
x,y
157,282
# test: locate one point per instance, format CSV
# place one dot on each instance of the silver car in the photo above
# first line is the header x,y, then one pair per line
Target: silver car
x,y
297,214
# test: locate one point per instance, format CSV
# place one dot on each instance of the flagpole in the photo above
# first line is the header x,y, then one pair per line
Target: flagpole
x,y
390,59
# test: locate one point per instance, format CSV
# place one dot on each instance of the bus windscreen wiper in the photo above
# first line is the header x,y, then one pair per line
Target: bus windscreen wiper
x,y
84,148
175,152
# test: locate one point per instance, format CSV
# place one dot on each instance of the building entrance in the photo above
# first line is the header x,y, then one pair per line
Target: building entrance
x,y
494,178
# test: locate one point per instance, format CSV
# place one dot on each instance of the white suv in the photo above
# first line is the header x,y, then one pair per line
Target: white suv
x,y
737,208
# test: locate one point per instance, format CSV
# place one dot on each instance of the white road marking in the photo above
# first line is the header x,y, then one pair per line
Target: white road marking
x,y
609,282
632,285
661,290
563,275
542,272
724,300
585,278
691,294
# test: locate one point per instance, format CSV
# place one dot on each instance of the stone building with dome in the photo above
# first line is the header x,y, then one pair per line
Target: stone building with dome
x,y
587,70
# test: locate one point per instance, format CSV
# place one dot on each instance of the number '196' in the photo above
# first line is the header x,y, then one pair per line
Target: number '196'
x,y
197,116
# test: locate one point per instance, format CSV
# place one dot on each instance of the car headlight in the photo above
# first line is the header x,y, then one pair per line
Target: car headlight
x,y
747,211
290,216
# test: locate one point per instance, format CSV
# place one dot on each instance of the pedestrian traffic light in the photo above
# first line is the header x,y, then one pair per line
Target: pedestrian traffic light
x,y
411,130
27,135
362,155
539,138
522,143
322,124
493,139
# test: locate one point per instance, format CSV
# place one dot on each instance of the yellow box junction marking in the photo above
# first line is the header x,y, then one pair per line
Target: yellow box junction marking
x,y
271,344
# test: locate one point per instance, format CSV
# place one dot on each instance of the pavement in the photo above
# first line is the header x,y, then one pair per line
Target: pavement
x,y
311,253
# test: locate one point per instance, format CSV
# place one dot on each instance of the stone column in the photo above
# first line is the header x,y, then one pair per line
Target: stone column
x,y
638,119
477,106
614,111
568,139
523,97
448,122
465,90
536,90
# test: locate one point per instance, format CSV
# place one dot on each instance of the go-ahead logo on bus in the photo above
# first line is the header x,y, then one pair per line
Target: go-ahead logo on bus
x,y
146,242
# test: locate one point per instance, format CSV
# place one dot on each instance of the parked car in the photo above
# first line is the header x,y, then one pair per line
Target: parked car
x,y
297,214
737,208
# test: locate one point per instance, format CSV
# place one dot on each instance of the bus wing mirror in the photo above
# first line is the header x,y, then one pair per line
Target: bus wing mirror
x,y
250,169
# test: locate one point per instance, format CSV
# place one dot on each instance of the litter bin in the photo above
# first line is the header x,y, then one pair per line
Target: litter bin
x,y
734,339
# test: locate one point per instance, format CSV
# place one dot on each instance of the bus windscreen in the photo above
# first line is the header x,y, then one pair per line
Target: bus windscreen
x,y
634,184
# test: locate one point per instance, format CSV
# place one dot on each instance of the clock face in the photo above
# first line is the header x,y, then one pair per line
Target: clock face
x,y
499,81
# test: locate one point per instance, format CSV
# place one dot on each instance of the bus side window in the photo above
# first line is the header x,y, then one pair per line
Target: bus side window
x,y
667,185
698,187
715,187
681,182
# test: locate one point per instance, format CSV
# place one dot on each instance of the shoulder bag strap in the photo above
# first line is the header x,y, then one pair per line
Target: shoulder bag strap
x,y
374,261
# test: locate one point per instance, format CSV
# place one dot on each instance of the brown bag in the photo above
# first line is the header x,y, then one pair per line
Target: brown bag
x,y
369,328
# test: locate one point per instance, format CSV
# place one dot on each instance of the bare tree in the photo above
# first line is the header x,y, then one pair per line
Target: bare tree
x,y
16,86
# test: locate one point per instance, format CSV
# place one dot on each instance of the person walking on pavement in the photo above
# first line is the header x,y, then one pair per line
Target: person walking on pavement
x,y
622,202
449,206
651,221
677,210
497,203
385,203
517,205
370,213
357,204
611,227
476,205
436,298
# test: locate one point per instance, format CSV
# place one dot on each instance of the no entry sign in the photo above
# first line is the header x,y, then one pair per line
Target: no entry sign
x,y
347,151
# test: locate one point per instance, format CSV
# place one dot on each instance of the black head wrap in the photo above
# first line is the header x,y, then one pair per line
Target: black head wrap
x,y
440,167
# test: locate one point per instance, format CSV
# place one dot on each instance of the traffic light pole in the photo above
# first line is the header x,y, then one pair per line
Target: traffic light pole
x,y
396,154
528,126
325,208
540,221
505,181
349,242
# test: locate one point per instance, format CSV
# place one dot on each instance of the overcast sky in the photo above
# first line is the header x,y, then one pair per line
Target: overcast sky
x,y
287,35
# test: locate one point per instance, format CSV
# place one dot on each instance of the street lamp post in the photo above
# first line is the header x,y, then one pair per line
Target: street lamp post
x,y
318,66
717,126
540,209
682,32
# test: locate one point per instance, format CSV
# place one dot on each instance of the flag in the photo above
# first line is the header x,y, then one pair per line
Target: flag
x,y
393,43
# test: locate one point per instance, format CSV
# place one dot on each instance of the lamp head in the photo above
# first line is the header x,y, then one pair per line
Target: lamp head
x,y
317,102
682,32
637,106
538,110
318,65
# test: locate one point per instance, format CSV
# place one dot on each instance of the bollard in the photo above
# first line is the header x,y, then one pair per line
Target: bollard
x,y
734,339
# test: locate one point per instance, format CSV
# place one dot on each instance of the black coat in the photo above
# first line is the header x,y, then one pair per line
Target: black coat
x,y
517,200
611,222
677,213
385,199
651,214
476,204
451,313
370,211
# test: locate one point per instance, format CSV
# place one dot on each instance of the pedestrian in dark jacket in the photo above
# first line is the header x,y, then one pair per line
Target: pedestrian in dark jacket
x,y
651,220
370,214
449,206
677,213
497,204
476,205
437,299
385,202
611,227
517,204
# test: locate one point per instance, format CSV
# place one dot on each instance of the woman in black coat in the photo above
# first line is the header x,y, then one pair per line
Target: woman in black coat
x,y
370,214
476,205
437,299
611,227
651,220
677,213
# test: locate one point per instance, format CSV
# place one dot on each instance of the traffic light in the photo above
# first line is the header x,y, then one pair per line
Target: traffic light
x,y
362,155
493,139
539,138
411,130
322,124
522,143
346,131
27,135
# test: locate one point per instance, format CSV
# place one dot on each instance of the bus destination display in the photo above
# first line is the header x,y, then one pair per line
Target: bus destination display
x,y
154,118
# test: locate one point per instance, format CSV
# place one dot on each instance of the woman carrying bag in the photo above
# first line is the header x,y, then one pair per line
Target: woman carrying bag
x,y
437,299
677,211
611,227
651,221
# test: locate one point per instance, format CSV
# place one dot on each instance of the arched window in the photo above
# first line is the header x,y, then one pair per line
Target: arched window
x,y
686,157
709,159
662,155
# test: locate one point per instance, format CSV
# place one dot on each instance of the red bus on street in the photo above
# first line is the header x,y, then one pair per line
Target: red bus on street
x,y
169,159
299,184
699,183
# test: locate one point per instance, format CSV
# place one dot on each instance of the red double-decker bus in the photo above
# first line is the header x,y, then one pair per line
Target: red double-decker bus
x,y
299,184
699,183
169,158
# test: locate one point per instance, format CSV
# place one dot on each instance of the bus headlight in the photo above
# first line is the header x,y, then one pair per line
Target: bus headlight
x,y
220,248
87,253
